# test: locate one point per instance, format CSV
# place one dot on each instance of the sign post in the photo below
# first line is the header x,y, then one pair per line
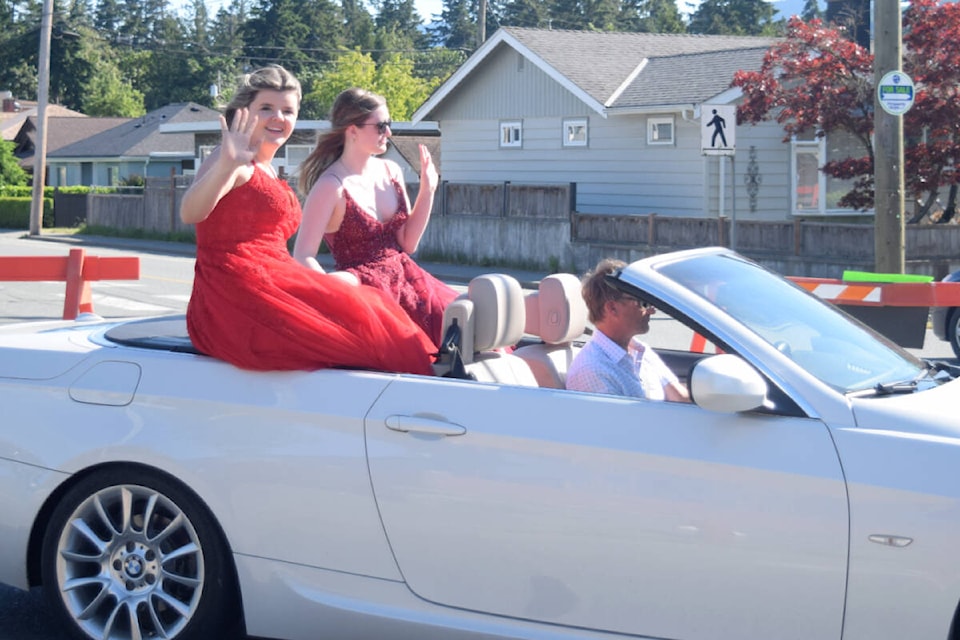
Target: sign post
x,y
718,137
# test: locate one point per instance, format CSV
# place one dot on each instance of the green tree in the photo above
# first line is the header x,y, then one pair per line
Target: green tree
x,y
393,78
108,95
10,171
811,11
567,14
601,15
457,28
358,25
108,17
651,16
399,21
734,17
293,33
526,13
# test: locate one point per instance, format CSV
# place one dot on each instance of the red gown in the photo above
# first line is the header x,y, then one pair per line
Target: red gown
x,y
369,249
256,307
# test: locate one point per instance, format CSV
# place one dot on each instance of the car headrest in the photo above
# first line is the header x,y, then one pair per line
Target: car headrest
x,y
556,312
498,311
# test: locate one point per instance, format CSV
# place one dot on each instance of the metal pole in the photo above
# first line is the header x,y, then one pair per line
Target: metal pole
x,y
733,203
40,154
889,228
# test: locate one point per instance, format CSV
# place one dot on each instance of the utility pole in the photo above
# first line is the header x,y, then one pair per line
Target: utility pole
x,y
889,228
40,152
482,23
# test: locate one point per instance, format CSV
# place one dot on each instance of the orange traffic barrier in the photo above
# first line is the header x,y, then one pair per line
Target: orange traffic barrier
x,y
77,270
887,294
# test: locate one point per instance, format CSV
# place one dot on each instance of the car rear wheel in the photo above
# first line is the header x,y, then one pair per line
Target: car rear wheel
x,y
131,554
953,330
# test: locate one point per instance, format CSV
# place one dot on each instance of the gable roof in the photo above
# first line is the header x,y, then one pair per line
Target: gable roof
x,y
61,131
12,121
611,71
141,137
408,146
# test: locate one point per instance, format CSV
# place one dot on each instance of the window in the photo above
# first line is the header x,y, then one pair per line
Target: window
x,y
511,134
575,132
659,130
61,176
813,191
296,154
113,176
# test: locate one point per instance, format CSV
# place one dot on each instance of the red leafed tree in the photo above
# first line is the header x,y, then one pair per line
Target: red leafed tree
x,y
817,80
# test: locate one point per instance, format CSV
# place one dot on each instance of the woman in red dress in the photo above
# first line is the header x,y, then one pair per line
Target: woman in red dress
x,y
358,203
252,304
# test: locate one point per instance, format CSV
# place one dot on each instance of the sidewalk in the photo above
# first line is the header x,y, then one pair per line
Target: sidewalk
x,y
451,273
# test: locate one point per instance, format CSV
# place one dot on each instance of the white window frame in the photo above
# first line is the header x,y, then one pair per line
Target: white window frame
x,y
204,152
818,149
507,130
301,151
653,131
570,126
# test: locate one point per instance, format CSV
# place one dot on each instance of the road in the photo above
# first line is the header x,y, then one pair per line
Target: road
x,y
163,288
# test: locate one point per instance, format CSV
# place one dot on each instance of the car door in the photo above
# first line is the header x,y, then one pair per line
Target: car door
x,y
629,516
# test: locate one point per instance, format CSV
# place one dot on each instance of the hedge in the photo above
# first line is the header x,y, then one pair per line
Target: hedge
x,y
15,212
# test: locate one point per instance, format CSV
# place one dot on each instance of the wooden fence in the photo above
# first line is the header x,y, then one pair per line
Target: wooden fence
x,y
537,226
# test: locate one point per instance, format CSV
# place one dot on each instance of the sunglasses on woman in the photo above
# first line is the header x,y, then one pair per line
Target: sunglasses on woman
x,y
381,126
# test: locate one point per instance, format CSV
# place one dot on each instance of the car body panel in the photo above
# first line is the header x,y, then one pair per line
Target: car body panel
x,y
292,443
900,464
359,504
530,514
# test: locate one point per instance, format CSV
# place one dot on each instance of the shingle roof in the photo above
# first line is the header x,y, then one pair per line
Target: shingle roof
x,y
61,132
12,121
689,78
408,146
600,62
139,137
620,71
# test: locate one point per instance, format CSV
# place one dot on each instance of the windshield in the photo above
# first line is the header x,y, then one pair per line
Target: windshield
x,y
829,344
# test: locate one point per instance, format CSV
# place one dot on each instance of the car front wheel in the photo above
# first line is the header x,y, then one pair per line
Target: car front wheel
x,y
131,554
953,330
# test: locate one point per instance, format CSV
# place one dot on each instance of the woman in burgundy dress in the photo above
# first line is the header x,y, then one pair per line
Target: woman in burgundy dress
x,y
358,203
252,304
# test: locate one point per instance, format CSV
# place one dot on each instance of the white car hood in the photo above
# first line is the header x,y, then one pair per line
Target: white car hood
x,y
934,412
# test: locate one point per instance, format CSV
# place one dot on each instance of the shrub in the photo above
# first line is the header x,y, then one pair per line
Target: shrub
x,y
15,212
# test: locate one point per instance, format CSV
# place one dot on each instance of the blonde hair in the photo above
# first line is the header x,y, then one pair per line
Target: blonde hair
x,y
272,77
352,107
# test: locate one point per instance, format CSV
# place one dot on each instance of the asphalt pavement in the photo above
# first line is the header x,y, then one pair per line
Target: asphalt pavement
x,y
445,271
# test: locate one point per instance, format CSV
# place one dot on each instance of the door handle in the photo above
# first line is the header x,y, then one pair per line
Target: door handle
x,y
416,424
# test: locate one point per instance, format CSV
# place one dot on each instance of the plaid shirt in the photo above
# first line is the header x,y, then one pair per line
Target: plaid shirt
x,y
602,366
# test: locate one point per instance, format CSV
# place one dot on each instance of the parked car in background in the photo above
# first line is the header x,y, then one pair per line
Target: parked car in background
x,y
946,320
809,490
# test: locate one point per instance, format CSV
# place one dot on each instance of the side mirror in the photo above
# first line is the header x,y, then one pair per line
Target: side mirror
x,y
727,384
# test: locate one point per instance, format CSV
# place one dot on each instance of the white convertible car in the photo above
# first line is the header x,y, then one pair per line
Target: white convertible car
x,y
810,491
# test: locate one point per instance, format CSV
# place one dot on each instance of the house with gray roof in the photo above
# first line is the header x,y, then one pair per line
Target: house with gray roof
x,y
133,147
61,131
625,117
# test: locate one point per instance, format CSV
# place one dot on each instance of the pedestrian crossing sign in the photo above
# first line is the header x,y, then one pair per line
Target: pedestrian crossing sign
x,y
718,129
